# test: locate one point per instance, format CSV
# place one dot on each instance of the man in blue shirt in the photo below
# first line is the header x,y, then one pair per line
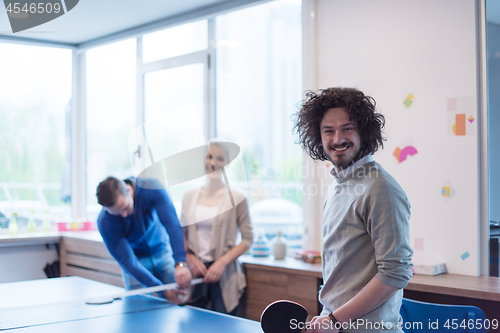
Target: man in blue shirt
x,y
136,224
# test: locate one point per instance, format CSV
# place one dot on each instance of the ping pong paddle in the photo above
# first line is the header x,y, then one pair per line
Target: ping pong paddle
x,y
283,317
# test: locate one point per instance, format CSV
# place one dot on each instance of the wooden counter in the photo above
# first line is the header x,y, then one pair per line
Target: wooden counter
x,y
269,280
23,239
84,254
286,265
479,287
52,237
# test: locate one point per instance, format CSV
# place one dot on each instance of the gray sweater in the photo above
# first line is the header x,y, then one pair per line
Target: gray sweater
x,y
366,234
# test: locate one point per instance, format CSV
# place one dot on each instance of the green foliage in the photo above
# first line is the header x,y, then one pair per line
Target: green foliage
x,y
54,199
32,144
250,161
24,194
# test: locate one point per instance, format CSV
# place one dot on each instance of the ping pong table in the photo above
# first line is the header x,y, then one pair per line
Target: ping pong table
x,y
58,305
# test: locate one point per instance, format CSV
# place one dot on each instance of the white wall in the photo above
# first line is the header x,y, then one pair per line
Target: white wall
x,y
23,263
427,48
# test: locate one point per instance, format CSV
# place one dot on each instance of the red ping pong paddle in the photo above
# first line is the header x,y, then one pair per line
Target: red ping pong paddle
x,y
283,317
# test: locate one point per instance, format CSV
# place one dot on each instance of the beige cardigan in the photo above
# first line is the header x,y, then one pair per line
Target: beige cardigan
x,y
224,231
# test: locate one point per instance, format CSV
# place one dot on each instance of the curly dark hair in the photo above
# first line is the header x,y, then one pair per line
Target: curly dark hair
x,y
361,110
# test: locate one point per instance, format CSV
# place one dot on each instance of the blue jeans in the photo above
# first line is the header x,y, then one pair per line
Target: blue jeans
x,y
161,265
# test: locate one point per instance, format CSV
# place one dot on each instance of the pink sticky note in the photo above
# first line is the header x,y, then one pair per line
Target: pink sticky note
x,y
419,244
452,104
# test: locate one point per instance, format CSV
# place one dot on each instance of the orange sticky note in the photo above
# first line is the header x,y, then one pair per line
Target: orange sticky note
x,y
460,124
396,153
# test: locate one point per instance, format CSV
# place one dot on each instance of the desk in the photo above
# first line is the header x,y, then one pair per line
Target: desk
x,y
39,312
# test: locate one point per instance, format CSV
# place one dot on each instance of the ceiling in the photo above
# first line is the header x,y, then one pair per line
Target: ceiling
x,y
92,19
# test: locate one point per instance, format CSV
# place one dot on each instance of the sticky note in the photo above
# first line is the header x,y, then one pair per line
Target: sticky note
x,y
402,154
407,102
445,191
452,104
419,244
396,153
459,124
465,255
461,116
408,150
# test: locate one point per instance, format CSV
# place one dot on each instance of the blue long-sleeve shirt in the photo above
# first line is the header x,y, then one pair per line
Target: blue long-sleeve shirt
x,y
143,233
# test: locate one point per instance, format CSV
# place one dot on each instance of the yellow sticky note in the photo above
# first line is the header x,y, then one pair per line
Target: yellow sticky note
x,y
445,191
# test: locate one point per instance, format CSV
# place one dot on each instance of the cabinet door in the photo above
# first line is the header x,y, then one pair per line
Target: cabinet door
x,y
265,287
90,260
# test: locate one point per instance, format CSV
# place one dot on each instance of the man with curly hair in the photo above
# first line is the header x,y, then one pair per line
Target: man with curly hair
x,y
366,246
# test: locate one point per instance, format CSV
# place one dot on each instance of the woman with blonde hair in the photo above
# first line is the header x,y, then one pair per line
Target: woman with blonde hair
x,y
213,215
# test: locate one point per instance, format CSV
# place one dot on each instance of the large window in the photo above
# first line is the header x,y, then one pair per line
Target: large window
x,y
111,114
173,99
35,108
259,82
236,77
135,107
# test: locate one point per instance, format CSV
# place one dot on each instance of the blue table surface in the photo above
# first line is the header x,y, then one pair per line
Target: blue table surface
x,y
171,319
132,314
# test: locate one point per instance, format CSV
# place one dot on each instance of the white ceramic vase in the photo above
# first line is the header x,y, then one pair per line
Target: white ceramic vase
x,y
279,247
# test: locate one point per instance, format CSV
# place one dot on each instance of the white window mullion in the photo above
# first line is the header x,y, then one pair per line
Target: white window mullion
x,y
312,206
78,146
139,157
210,114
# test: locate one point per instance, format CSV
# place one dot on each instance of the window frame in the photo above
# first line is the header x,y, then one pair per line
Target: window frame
x,y
206,57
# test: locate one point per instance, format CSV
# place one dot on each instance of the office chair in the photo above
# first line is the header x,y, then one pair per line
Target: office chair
x,y
439,318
